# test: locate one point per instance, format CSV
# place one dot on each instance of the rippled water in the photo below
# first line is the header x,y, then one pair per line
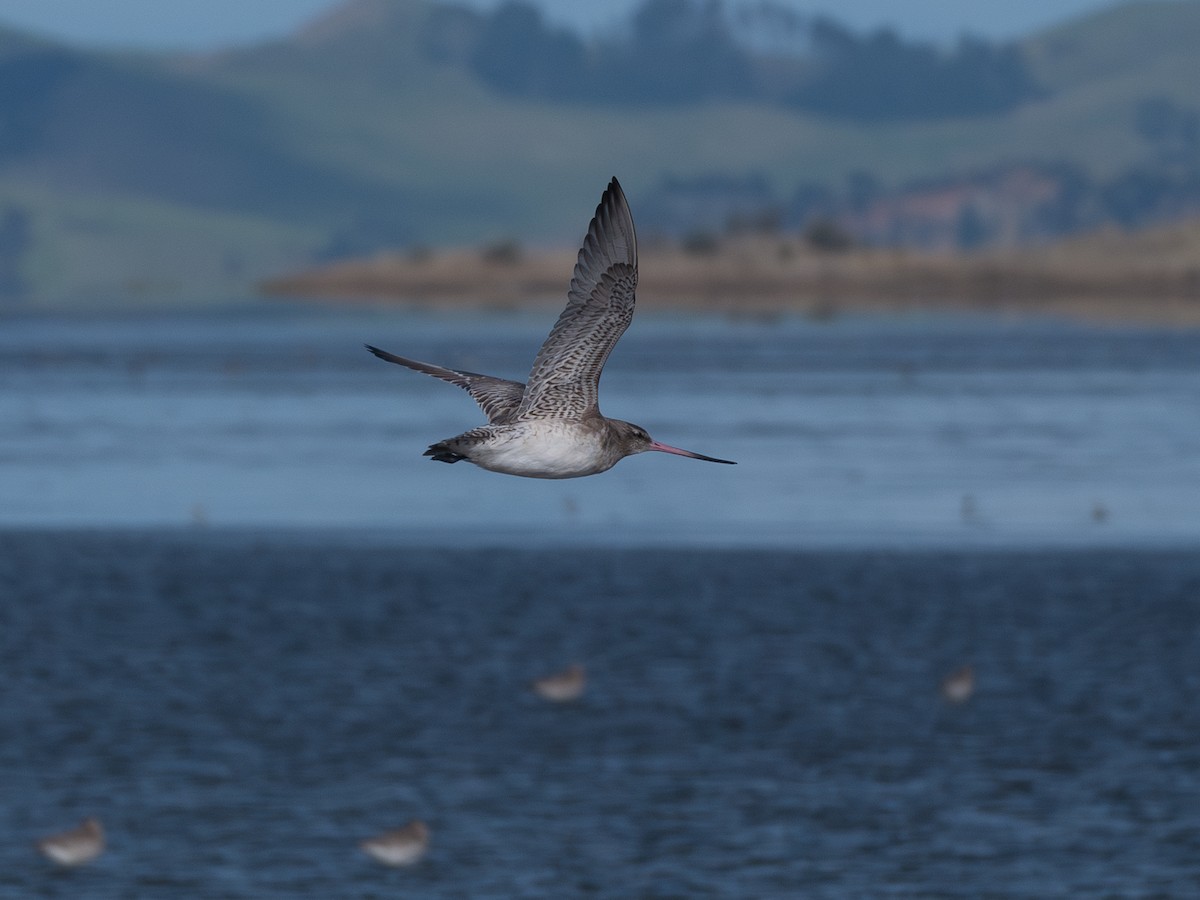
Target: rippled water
x,y
241,711
852,432
246,624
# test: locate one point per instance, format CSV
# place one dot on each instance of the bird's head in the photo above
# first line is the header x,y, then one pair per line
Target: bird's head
x,y
635,439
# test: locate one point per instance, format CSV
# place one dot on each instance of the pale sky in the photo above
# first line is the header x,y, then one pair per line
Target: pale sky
x,y
205,24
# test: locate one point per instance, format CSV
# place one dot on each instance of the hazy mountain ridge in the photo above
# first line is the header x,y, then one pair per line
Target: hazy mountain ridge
x,y
134,126
372,128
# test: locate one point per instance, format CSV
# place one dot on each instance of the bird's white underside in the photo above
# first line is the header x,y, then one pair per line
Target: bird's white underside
x,y
396,853
72,851
544,449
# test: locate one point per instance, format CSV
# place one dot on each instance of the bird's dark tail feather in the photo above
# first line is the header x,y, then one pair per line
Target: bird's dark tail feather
x,y
442,453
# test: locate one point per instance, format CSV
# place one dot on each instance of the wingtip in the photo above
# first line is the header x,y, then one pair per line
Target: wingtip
x,y
614,188
613,222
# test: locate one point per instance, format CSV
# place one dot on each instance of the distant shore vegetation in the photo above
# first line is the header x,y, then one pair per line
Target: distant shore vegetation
x,y
1149,276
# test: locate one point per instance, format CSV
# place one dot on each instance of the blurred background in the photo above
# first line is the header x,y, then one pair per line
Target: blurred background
x,y
929,272
179,155
931,277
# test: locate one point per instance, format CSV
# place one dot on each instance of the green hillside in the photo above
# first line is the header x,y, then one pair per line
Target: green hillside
x,y
187,178
363,96
1118,43
106,249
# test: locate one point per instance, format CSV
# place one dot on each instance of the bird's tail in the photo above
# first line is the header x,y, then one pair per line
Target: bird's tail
x,y
442,453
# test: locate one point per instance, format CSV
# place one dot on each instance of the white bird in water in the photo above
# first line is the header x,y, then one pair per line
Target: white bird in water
x,y
551,427
959,685
75,846
562,687
402,847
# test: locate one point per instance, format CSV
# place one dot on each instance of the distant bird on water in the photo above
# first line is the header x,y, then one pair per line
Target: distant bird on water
x,y
75,846
959,685
551,427
564,686
402,847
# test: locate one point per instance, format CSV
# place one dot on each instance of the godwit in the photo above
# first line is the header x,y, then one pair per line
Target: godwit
x,y
959,685
401,847
562,687
75,846
551,427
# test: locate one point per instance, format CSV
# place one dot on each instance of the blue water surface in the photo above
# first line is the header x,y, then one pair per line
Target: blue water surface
x,y
859,431
241,710
245,623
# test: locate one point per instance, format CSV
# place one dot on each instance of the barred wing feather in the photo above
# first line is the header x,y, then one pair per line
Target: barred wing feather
x,y
565,379
497,397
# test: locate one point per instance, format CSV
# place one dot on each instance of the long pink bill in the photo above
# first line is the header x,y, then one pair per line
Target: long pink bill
x,y
667,448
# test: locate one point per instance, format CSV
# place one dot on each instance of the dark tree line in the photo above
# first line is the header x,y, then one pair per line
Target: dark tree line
x,y
881,77
517,53
687,51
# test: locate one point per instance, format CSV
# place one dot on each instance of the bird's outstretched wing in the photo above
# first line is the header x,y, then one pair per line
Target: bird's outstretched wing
x,y
497,397
565,379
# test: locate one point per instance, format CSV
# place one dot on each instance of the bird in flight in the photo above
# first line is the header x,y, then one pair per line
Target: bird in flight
x,y
551,426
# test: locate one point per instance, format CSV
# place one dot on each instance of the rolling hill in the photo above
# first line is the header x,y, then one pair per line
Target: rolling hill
x,y
165,178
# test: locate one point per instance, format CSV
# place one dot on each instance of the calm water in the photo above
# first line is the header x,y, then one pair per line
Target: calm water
x,y
855,432
242,710
244,622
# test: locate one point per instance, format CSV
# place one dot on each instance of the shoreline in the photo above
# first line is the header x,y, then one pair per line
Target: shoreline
x,y
1149,277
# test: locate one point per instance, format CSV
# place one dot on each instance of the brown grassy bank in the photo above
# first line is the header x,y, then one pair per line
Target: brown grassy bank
x,y
1151,276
